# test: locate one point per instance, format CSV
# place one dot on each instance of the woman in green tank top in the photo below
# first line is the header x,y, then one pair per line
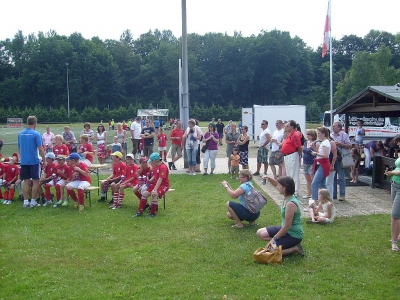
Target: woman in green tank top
x,y
290,233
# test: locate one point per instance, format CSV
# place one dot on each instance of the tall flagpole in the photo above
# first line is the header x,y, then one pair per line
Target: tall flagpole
x,y
330,60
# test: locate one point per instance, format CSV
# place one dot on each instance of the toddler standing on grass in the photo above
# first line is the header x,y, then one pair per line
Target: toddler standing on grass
x,y
162,144
325,212
235,159
354,168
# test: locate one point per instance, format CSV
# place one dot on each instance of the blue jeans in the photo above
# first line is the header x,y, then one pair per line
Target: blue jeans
x,y
342,181
191,154
317,183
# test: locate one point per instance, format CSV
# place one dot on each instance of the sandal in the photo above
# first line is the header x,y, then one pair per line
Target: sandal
x,y
236,226
395,248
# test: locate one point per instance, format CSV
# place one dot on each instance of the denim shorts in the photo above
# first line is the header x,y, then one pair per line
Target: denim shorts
x,y
308,169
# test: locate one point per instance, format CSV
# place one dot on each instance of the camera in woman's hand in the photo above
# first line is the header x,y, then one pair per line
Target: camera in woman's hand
x,y
191,130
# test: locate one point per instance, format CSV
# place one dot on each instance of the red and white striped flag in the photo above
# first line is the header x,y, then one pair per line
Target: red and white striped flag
x,y
327,30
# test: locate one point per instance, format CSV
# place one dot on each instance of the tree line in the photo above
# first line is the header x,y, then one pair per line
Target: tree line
x,y
113,78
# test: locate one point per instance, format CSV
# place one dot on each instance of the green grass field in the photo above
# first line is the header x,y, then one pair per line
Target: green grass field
x,y
189,251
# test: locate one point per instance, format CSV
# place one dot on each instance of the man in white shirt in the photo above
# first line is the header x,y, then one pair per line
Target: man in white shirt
x,y
276,157
262,155
136,129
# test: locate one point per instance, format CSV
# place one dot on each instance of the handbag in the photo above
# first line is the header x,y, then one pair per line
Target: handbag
x,y
268,257
254,200
347,160
204,148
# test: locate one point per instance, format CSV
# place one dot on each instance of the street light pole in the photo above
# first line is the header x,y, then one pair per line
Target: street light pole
x,y
67,90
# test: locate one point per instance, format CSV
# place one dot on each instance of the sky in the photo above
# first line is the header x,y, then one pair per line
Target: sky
x,y
108,20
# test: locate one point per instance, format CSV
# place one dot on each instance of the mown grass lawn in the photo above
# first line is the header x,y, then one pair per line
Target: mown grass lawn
x,y
189,251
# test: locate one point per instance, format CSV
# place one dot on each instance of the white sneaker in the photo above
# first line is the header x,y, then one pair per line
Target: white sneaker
x,y
34,204
306,196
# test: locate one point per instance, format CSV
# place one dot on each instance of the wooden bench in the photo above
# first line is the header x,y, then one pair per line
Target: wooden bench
x,y
170,190
87,192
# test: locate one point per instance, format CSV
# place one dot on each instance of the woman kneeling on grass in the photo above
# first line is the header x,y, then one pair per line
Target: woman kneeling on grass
x,y
290,234
239,211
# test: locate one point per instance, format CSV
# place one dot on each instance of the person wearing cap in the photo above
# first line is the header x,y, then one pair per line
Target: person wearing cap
x,y
157,189
46,181
48,139
81,181
145,172
130,180
60,148
62,172
11,176
30,146
119,169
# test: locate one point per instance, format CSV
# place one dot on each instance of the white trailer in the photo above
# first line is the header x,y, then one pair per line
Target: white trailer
x,y
252,117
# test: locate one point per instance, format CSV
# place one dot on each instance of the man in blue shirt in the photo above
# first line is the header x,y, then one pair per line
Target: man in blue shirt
x,y
30,146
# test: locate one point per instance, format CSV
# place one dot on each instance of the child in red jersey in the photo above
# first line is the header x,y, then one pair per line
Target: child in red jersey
x,y
86,149
119,170
129,180
162,144
62,175
60,148
145,170
158,188
11,176
81,180
47,180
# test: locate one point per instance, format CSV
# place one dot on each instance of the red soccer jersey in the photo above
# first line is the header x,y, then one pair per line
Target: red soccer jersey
x,y
11,172
3,168
60,150
148,172
162,140
50,169
87,148
84,167
62,171
131,172
161,171
119,169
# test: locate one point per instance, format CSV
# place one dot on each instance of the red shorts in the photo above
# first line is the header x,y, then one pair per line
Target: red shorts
x,y
161,190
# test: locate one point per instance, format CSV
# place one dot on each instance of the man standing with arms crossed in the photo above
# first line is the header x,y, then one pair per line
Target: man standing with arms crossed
x,y
136,129
342,140
276,157
292,151
262,155
29,147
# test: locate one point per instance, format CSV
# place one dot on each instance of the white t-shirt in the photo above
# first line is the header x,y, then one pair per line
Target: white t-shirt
x,y
263,136
324,143
137,129
277,135
191,140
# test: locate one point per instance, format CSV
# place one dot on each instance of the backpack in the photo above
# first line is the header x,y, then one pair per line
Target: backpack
x,y
254,200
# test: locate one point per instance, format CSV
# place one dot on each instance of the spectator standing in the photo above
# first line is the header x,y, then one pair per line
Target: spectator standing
x,y
176,144
191,139
30,146
360,136
198,160
342,141
332,161
120,132
211,139
162,143
101,137
243,143
69,139
292,150
276,157
148,133
89,132
262,154
136,129
220,129
230,139
48,139
308,159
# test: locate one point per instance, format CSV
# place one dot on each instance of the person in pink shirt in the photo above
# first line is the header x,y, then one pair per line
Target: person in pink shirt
x,y
48,139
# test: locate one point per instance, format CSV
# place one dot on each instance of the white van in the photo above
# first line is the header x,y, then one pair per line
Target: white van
x,y
376,127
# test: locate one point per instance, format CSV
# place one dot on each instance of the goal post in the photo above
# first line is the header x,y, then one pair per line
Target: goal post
x,y
15,123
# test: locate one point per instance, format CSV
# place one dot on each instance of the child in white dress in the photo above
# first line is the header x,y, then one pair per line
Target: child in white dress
x,y
325,212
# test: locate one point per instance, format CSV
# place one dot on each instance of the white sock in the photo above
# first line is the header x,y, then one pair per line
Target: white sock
x,y
33,201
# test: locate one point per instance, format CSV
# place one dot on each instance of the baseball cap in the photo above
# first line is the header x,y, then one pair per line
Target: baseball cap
x,y
143,159
60,157
50,155
130,155
154,157
74,156
117,154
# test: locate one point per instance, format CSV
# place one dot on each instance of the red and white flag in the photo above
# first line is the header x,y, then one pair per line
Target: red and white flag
x,y
327,31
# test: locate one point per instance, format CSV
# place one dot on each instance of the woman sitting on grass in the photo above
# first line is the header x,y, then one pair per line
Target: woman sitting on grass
x,y
325,212
291,233
239,211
